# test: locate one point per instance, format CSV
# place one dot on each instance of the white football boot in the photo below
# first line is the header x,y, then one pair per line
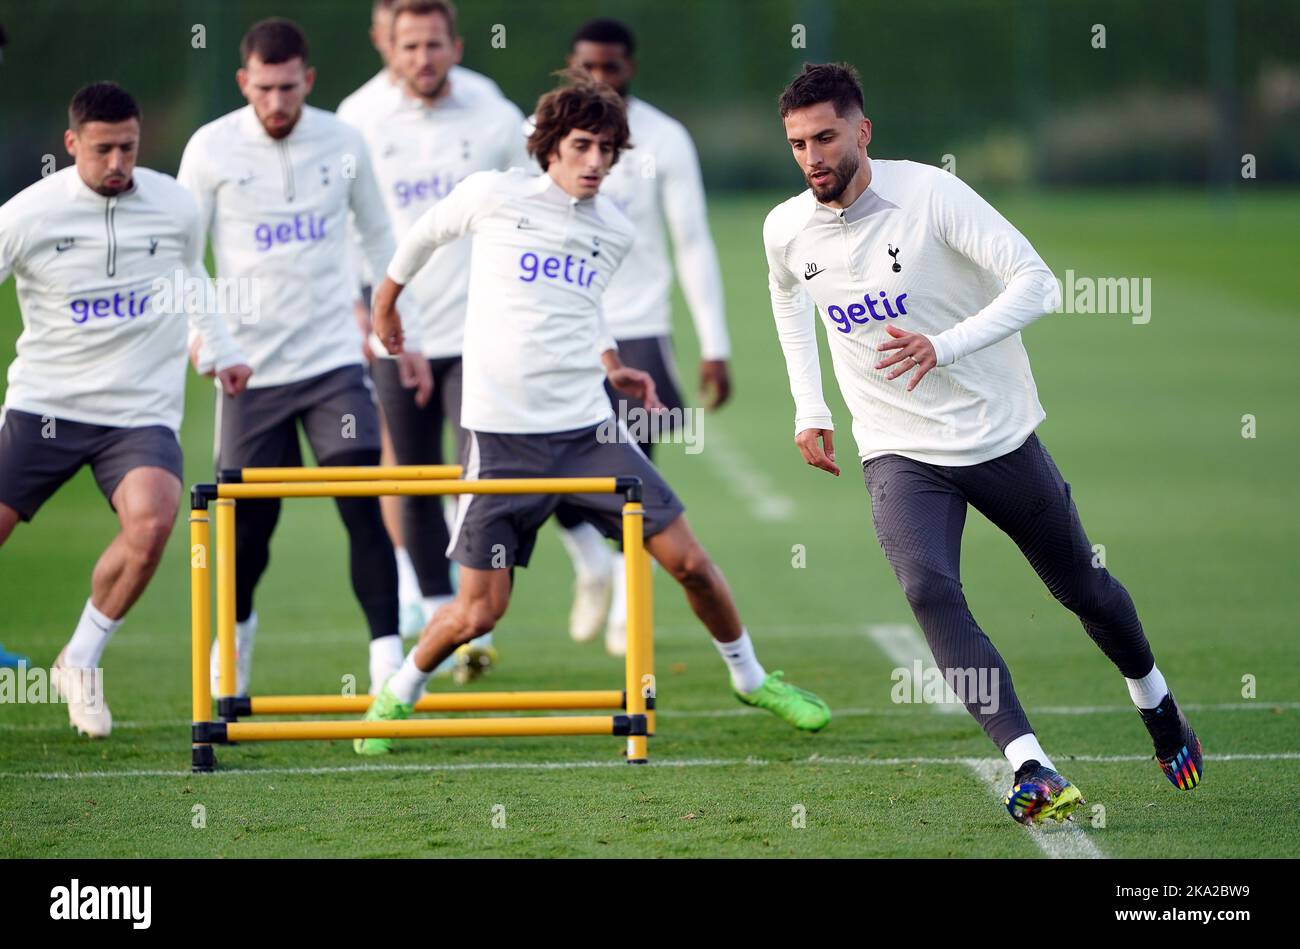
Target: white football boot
x,y
82,689
592,565
591,598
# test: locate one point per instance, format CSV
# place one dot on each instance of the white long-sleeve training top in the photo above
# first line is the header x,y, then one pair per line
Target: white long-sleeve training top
x,y
921,251
278,213
378,92
102,288
420,153
534,331
381,85
658,182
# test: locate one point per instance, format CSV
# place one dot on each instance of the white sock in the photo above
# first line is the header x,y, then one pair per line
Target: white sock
x,y
408,584
245,633
1026,748
587,549
385,659
407,684
1148,691
747,674
618,595
92,634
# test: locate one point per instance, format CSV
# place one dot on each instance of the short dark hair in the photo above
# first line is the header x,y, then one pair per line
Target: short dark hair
x,y
837,83
101,102
581,103
424,8
274,40
604,30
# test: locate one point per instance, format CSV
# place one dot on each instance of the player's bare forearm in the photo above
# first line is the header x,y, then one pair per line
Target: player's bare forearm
x,y
386,322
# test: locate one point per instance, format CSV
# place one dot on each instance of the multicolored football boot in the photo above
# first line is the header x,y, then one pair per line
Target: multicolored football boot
x,y
472,660
1039,793
1178,750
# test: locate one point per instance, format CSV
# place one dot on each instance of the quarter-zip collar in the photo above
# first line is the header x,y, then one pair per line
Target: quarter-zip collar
x,y
251,126
78,190
842,219
867,204
545,186
550,192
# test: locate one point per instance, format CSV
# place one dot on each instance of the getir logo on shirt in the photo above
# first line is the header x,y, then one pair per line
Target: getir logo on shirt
x,y
436,187
304,227
872,307
119,305
553,268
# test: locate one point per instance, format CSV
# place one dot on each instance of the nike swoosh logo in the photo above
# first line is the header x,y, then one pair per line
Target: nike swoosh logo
x,y
61,247
809,276
525,227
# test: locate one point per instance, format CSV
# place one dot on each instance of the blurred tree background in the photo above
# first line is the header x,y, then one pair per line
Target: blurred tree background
x,y
1018,92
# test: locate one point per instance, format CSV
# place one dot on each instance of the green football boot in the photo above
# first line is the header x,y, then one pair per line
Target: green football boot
x,y
797,706
385,708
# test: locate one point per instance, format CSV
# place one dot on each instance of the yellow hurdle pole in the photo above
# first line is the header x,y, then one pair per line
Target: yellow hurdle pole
x,y
368,489
343,473
225,598
649,682
425,728
440,702
634,555
200,627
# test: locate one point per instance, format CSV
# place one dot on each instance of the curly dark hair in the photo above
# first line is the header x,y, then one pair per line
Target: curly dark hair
x,y
581,103
837,83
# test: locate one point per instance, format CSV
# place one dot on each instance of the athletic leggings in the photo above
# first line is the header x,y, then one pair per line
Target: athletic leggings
x,y
373,568
417,440
919,511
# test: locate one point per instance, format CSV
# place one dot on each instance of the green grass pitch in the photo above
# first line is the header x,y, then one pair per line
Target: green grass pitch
x,y
1145,421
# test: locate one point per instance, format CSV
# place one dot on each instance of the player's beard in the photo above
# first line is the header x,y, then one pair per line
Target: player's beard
x,y
433,94
841,175
282,131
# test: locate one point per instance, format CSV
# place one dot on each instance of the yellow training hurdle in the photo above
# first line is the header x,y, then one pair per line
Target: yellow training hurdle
x,y
635,702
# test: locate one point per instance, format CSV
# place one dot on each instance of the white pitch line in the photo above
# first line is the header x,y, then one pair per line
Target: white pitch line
x,y
1066,840
1096,759
1065,710
904,645
765,502
996,765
